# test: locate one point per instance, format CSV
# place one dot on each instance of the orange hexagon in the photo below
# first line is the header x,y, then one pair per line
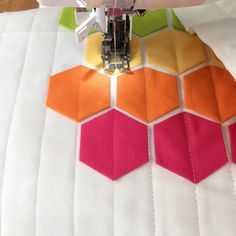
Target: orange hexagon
x,y
147,93
79,92
211,91
175,51
93,51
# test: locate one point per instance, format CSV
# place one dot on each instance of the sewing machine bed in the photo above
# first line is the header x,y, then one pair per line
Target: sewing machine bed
x,y
46,191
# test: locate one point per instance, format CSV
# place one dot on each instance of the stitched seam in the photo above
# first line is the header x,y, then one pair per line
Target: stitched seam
x,y
149,152
232,181
146,98
13,112
151,177
112,140
113,166
113,210
77,151
226,139
43,129
229,156
193,173
197,209
214,89
78,97
190,154
172,33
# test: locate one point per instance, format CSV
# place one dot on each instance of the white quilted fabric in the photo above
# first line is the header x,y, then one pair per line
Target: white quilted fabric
x,y
45,191
215,24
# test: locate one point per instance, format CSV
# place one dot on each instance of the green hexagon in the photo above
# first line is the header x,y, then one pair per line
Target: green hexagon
x,y
177,24
152,21
67,19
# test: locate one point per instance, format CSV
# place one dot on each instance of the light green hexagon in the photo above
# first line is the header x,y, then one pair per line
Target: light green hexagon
x,y
67,19
177,24
152,21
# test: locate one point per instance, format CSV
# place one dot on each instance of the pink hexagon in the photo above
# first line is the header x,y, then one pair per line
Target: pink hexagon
x,y
189,146
232,135
114,144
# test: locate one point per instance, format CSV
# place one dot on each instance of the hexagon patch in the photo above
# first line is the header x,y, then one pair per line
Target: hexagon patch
x,y
147,93
211,91
189,146
79,92
175,51
114,144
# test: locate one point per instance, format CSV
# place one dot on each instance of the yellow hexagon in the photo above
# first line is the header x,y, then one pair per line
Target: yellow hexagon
x,y
175,51
93,51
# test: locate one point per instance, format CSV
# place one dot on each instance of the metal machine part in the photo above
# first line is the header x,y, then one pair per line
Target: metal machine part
x,y
114,19
116,40
116,26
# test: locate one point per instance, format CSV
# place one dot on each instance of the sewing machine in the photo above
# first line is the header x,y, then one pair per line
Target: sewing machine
x,y
114,19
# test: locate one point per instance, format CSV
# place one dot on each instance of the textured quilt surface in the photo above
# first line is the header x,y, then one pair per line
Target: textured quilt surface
x,y
45,190
217,28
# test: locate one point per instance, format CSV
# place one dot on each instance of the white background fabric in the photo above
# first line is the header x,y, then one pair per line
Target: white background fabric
x,y
46,191
215,24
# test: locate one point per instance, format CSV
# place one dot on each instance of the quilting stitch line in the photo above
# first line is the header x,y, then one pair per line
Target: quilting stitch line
x,y
146,94
77,98
40,154
232,180
214,89
113,174
227,145
150,142
149,149
77,151
13,112
173,42
193,172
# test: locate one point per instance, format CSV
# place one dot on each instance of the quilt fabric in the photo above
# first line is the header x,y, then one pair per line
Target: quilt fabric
x,y
217,28
142,162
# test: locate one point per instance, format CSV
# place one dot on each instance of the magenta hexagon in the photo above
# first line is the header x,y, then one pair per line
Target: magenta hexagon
x,y
232,135
114,144
189,146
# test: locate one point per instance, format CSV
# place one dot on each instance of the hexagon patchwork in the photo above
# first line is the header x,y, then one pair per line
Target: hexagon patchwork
x,y
175,51
79,92
152,21
114,144
93,51
232,135
147,93
189,146
211,91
